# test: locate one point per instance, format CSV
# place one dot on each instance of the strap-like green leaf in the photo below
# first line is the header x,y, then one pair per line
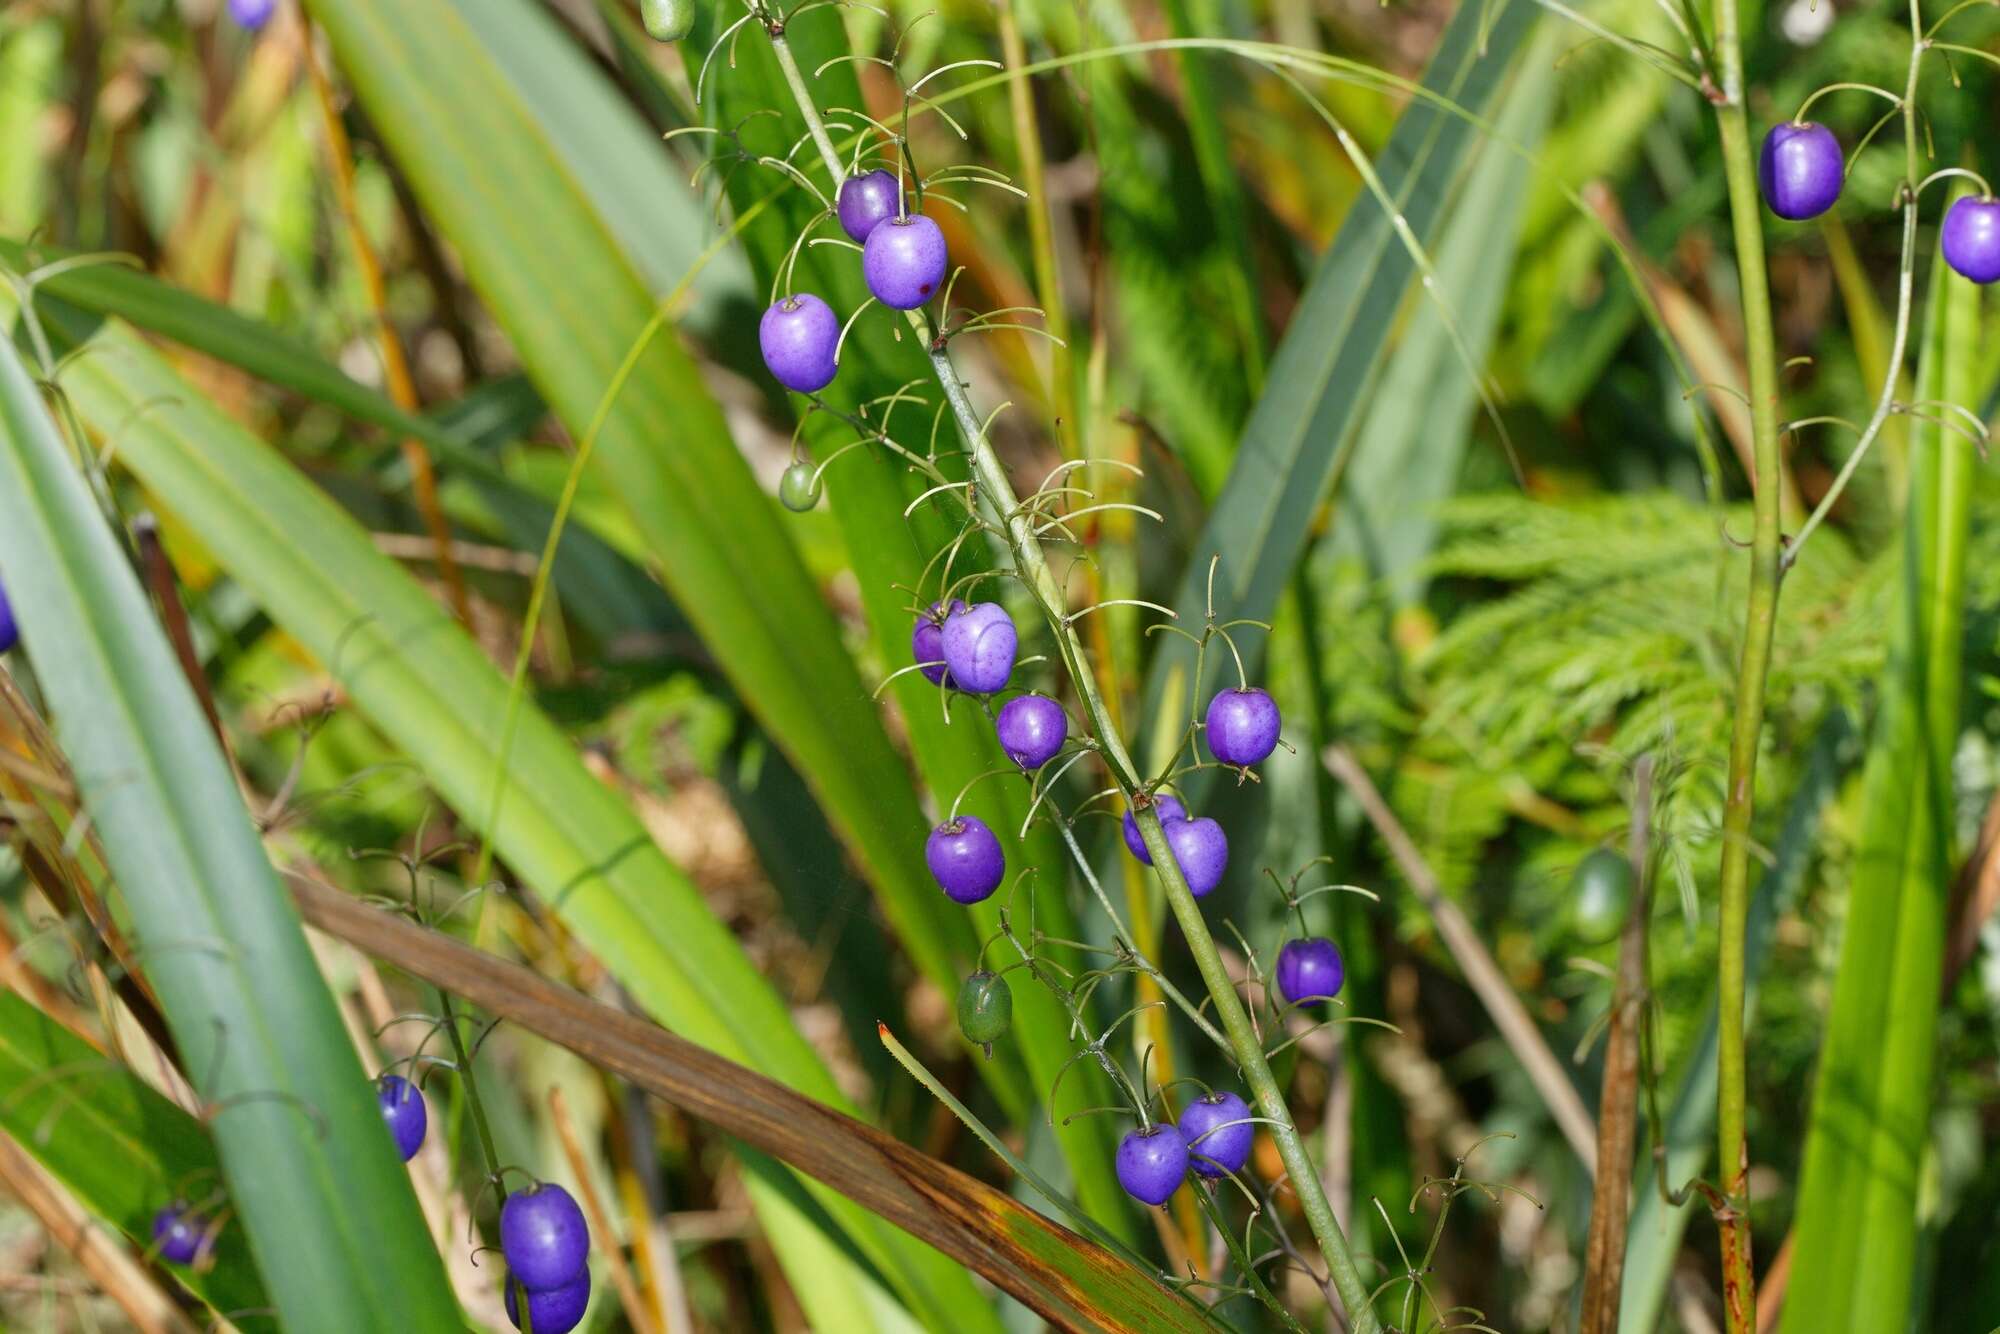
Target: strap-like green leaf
x,y
330,1217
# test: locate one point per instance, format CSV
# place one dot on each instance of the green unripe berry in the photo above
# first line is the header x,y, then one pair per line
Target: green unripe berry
x,y
985,1009
1600,896
667,20
799,488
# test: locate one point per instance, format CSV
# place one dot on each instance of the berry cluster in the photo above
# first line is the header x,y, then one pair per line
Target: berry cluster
x,y
903,260
547,1248
1801,170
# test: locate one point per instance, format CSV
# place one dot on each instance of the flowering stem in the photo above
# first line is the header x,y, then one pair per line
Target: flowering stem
x,y
1032,566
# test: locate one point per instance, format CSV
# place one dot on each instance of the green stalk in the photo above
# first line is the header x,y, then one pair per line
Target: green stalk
x,y
1759,621
1032,566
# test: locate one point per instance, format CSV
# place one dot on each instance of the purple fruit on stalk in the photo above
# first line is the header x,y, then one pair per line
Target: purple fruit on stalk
x,y
252,14
544,1237
1310,970
904,261
404,1112
1972,238
1152,1163
1800,170
979,644
180,1235
1242,725
798,335
1032,728
10,633
927,640
866,201
1169,808
965,859
1201,850
553,1310
1218,1132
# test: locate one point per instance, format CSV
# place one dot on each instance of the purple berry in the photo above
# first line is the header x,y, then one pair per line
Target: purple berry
x,y
1032,729
1201,850
798,336
252,14
1169,808
10,633
1152,1163
543,1236
180,1235
1800,170
927,640
403,1109
1218,1133
979,645
1242,725
904,261
1310,970
965,859
1971,239
553,1310
865,201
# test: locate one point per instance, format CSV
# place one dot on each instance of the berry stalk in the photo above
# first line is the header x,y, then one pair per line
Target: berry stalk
x,y
1032,566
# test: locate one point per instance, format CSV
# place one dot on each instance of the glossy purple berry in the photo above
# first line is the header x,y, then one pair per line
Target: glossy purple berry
x,y
1201,850
10,633
553,1310
1972,238
544,1237
180,1235
965,859
979,644
798,336
1169,808
927,640
904,261
1152,1163
1800,170
403,1109
1218,1132
252,14
1310,970
1242,725
1032,729
865,201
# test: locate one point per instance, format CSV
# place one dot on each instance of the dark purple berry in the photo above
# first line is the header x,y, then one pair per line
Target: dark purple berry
x,y
553,1310
1032,728
965,859
180,1235
1310,970
252,14
979,645
1972,238
927,640
403,1109
544,1237
1152,1163
1201,850
866,201
904,261
1800,170
1242,725
1218,1133
10,633
798,336
1169,808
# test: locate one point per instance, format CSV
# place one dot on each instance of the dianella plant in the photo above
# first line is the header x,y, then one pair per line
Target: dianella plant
x,y
714,664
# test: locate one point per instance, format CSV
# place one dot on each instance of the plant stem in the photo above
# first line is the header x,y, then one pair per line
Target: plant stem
x,y
1031,565
1753,670
471,1085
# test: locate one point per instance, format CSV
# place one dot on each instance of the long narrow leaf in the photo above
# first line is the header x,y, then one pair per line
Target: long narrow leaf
x,y
331,1220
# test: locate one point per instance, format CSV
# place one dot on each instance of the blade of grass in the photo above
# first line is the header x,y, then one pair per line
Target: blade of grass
x,y
334,1227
